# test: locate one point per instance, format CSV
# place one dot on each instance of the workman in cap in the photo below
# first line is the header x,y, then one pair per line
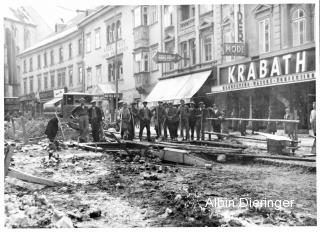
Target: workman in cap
x,y
134,119
145,116
216,123
159,115
202,114
125,116
183,113
51,132
172,121
192,118
81,112
95,119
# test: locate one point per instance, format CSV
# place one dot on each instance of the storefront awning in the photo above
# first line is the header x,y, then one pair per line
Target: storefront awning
x,y
177,88
52,103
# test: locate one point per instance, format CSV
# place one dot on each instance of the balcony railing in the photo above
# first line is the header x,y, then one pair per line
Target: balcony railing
x,y
141,36
142,82
187,25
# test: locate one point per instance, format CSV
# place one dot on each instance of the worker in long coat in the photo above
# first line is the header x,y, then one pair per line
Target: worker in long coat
x,y
216,123
95,119
145,116
192,118
183,113
172,121
289,126
125,117
243,124
81,112
159,117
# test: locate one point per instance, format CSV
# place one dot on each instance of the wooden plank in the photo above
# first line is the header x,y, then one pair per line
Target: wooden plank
x,y
256,120
7,159
25,139
13,128
233,136
200,148
182,157
32,179
275,137
87,147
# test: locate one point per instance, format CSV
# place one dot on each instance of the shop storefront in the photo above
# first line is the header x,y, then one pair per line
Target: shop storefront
x,y
49,99
265,87
106,96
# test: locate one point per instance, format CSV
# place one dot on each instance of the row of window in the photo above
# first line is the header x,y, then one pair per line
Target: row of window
x,y
47,81
113,33
44,58
298,31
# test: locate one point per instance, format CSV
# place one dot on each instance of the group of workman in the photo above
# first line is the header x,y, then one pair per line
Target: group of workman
x,y
169,117
166,116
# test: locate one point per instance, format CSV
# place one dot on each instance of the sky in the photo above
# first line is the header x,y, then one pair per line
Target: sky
x,y
53,11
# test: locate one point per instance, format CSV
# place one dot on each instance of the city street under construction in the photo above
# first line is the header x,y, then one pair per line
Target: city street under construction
x,y
120,183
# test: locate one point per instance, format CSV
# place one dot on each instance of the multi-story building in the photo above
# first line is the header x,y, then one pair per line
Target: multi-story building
x,y
257,57
52,66
119,43
278,70
23,27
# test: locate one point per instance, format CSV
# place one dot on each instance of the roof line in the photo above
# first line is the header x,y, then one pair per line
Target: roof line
x,y
87,19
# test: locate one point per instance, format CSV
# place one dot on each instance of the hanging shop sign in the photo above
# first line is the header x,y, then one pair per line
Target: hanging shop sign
x,y
58,93
235,49
110,96
277,70
163,57
45,95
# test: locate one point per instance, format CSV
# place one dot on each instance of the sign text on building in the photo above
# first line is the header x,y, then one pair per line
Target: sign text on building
x,y
235,49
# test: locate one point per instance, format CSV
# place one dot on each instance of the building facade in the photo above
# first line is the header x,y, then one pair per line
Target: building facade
x,y
52,65
22,28
257,57
278,70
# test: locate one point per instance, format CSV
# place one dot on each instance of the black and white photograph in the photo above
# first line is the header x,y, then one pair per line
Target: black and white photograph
x,y
151,114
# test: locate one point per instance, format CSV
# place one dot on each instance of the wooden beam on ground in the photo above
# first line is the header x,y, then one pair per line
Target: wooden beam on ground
x,y
25,139
234,136
7,159
196,148
89,148
256,120
32,179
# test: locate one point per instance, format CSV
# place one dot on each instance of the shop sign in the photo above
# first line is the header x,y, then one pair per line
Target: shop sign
x,y
58,93
271,81
109,96
285,68
235,49
163,57
46,95
111,48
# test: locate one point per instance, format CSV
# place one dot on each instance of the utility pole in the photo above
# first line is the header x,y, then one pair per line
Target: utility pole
x,y
116,63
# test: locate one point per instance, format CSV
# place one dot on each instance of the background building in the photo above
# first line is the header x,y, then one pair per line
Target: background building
x,y
22,28
52,65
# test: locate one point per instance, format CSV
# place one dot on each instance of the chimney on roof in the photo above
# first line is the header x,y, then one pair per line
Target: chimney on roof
x,y
59,27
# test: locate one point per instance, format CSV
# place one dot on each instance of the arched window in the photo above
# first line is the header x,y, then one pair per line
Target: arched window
x,y
118,29
108,34
119,70
298,27
113,32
